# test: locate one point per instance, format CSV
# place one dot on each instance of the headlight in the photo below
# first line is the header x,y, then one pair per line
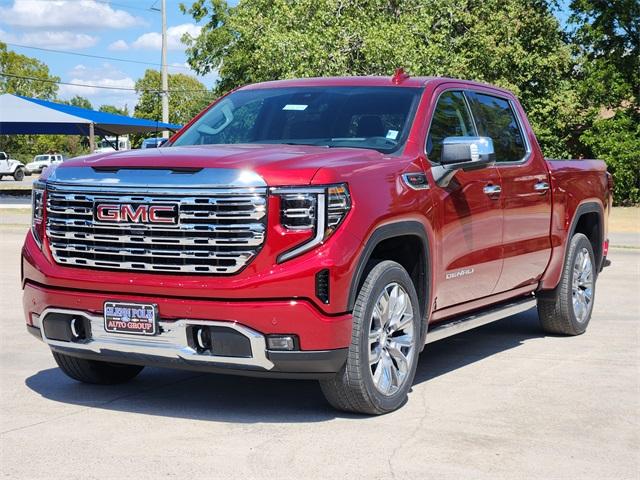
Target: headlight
x,y
319,210
37,212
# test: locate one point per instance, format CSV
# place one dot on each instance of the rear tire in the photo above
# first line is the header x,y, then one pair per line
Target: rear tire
x,y
567,309
383,355
18,175
96,372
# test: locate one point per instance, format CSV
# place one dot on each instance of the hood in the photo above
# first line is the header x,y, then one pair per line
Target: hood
x,y
277,164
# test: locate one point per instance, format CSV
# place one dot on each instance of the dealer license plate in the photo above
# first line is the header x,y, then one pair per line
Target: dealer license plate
x,y
132,318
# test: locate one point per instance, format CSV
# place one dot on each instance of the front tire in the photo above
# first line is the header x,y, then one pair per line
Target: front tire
x,y
95,372
567,309
383,355
18,175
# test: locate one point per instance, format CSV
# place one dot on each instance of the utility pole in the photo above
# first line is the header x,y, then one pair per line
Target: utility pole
x,y
165,81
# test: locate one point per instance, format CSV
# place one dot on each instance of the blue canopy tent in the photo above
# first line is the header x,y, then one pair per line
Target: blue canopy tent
x,y
24,115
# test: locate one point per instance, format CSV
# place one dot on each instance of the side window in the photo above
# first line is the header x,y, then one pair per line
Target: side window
x,y
496,119
450,119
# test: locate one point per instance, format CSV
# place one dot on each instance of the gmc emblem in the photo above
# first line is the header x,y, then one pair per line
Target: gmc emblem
x,y
164,214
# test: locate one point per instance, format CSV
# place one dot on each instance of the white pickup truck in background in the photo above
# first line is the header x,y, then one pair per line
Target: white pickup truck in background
x,y
11,168
40,162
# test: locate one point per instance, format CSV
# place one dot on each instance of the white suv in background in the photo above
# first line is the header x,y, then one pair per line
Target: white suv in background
x,y
10,167
40,162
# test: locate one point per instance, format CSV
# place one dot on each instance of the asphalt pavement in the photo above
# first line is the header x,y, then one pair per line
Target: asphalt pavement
x,y
501,402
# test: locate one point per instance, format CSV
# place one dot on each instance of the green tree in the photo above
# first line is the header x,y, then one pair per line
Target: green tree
x,y
12,63
187,97
78,101
113,109
606,36
516,44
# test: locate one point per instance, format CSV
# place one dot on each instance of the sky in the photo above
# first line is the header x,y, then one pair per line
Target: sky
x,y
120,29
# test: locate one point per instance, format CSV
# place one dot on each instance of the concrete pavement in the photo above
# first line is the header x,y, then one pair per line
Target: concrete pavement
x,y
500,402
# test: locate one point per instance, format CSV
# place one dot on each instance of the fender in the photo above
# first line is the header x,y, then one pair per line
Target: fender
x,y
551,277
385,232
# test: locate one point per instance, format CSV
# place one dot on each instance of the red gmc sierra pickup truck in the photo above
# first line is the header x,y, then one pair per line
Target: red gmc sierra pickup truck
x,y
318,228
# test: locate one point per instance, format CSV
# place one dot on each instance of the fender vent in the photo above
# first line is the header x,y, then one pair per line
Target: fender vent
x,y
322,285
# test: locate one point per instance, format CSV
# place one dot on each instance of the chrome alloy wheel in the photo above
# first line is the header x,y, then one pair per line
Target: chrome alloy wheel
x,y
582,285
391,339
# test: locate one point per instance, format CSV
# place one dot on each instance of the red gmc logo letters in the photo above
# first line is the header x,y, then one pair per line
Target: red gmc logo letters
x,y
136,213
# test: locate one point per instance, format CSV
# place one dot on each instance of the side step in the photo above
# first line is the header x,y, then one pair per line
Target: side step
x,y
479,318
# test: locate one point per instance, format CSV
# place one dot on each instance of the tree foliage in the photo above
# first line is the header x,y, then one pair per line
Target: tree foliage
x,y
78,101
491,41
516,44
113,109
187,97
13,63
606,36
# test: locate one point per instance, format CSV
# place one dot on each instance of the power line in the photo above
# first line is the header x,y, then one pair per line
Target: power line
x,y
46,80
101,57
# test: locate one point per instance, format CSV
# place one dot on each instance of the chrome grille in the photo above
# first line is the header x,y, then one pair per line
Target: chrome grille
x,y
219,232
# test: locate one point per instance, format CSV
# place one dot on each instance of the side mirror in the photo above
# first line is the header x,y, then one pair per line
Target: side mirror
x,y
463,153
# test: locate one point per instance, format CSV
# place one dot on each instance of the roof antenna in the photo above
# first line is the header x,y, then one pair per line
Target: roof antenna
x,y
399,76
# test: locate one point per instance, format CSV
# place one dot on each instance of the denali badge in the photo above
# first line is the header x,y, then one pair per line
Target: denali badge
x,y
459,273
165,214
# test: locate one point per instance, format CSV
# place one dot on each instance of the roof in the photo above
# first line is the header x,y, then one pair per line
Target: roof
x,y
25,115
369,81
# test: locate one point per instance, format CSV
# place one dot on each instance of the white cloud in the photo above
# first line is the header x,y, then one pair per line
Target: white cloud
x,y
118,46
153,40
66,14
105,76
62,40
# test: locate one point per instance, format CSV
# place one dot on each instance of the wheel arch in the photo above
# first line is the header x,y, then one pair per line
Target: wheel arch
x,y
396,241
589,220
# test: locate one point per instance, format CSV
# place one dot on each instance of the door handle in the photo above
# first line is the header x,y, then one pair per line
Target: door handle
x,y
492,189
541,187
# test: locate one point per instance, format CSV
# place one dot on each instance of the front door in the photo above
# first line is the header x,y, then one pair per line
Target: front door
x,y
469,215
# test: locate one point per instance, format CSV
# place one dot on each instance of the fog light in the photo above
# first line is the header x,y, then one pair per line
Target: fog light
x,y
281,342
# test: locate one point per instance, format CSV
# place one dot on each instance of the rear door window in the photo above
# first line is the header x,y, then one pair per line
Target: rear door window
x,y
451,118
495,118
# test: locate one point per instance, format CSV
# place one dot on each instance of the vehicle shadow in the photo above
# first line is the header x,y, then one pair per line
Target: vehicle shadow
x,y
211,397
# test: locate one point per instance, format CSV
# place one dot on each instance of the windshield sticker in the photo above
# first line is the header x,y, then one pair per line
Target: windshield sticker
x,y
293,106
392,134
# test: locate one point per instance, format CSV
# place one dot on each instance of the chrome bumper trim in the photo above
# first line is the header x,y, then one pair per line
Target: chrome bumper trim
x,y
170,343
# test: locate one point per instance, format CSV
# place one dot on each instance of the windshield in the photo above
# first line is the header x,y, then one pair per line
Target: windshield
x,y
377,118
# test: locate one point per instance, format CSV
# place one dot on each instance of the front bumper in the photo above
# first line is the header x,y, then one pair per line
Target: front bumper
x,y
324,339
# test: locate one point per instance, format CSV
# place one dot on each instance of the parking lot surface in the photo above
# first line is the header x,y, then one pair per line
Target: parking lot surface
x,y
499,402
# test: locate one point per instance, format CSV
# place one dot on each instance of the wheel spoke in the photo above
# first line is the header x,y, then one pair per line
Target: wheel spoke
x,y
401,361
401,341
374,355
374,336
384,382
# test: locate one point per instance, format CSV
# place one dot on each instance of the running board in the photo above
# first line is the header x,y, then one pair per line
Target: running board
x,y
477,319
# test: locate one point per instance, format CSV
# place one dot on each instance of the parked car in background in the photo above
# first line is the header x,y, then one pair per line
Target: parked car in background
x,y
40,162
108,144
10,167
153,142
324,228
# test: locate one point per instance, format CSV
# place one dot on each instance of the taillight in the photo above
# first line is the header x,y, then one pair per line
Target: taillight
x,y
319,210
38,197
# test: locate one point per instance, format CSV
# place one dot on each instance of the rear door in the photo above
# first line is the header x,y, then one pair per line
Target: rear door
x,y
470,216
525,196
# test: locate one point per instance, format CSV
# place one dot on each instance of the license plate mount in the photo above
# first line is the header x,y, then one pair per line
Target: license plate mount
x,y
131,318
